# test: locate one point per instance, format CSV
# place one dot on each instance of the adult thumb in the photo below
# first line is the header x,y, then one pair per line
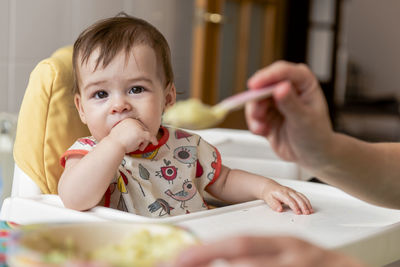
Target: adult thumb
x,y
288,101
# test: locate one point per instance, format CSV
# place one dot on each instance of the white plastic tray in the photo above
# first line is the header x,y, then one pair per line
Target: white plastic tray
x,y
340,222
243,150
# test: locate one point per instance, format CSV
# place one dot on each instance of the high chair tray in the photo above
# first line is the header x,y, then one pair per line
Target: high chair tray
x,y
340,221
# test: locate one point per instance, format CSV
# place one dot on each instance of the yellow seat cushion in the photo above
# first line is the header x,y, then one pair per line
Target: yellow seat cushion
x,y
48,122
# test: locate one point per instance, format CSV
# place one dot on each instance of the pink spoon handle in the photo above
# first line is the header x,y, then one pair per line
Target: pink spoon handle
x,y
238,100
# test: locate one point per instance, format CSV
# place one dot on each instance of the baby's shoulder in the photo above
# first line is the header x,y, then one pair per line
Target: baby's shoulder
x,y
177,134
88,140
86,143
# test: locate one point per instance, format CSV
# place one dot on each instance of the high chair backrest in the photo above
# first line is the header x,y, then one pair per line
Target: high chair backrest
x,y
48,122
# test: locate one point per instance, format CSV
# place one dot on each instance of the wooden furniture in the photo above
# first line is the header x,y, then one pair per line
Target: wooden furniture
x,y
231,40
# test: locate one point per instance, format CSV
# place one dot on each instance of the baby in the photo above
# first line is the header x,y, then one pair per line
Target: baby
x,y
123,84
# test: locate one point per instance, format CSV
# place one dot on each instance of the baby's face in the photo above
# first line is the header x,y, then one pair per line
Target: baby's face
x,y
129,87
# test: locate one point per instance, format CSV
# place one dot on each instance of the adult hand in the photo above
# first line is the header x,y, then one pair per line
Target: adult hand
x,y
296,119
261,251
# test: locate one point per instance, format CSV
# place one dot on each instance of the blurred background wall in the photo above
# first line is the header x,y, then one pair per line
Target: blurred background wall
x,y
352,46
32,30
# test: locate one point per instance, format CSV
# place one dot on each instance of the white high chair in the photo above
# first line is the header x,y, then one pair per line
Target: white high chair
x,y
48,124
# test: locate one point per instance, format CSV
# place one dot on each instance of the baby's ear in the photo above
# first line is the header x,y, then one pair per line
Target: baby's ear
x,y
78,105
170,95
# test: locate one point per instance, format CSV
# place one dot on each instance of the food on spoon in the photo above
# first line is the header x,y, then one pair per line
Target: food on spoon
x,y
193,114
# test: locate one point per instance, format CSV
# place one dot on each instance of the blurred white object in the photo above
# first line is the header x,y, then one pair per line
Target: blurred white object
x,y
8,123
240,149
23,185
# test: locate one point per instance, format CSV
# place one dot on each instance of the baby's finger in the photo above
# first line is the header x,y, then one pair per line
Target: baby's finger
x,y
274,204
143,145
153,140
307,201
300,202
288,200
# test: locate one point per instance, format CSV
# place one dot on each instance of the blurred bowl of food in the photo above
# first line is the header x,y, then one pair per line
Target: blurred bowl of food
x,y
97,244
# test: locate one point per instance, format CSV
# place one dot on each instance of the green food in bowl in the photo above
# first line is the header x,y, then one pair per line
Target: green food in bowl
x,y
141,249
99,244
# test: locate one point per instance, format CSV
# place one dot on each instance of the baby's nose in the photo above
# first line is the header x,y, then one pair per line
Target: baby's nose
x,y
120,105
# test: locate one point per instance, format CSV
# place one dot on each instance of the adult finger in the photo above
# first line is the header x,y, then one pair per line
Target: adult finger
x,y
255,261
298,74
288,102
261,116
229,248
256,113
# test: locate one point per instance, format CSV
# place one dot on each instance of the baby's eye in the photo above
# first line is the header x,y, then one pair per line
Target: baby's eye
x,y
136,90
100,94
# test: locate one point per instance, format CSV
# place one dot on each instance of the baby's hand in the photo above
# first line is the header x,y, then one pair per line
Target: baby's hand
x,y
132,135
275,195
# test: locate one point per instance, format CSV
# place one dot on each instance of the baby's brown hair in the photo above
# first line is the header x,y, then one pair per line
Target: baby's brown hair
x,y
112,35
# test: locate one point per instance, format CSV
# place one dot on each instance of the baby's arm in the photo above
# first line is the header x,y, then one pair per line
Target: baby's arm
x,y
85,179
236,186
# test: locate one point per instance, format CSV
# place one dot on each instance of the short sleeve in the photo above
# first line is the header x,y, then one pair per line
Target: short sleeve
x,y
81,147
209,164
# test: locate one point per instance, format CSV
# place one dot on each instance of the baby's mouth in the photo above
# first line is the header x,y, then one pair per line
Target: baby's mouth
x,y
116,123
